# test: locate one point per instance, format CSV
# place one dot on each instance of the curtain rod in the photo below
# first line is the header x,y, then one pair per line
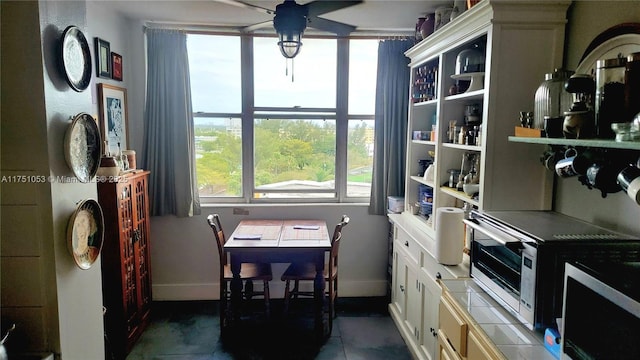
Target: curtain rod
x,y
208,29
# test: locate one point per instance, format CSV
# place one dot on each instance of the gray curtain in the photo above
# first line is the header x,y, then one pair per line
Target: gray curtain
x,y
169,149
392,105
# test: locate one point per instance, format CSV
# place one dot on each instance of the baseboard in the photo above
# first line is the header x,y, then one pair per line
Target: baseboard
x,y
211,291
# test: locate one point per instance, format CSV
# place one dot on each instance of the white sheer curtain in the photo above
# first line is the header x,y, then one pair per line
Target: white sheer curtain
x,y
168,129
392,105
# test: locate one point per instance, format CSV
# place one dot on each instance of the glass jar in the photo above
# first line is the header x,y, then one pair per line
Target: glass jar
x,y
610,88
632,85
470,61
453,177
551,99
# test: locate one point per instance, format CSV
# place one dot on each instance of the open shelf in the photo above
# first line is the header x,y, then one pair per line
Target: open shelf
x,y
476,94
423,142
593,143
462,147
422,181
459,195
426,103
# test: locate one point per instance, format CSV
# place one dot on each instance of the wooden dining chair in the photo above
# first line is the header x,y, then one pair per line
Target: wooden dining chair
x,y
297,272
249,272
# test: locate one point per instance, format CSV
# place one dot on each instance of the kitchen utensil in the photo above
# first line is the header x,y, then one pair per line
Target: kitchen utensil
x,y
629,181
610,89
632,85
604,178
578,122
553,126
551,99
573,164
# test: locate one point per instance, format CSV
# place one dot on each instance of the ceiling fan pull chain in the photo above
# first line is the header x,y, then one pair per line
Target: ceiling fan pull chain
x,y
292,70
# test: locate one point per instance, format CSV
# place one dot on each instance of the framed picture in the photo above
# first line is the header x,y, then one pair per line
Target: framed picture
x,y
113,117
116,66
103,58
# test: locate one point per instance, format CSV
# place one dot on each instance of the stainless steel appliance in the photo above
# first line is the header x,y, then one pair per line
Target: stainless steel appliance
x,y
519,258
601,312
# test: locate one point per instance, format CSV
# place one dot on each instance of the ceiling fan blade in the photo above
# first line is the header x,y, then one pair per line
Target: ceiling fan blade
x,y
245,5
260,25
320,7
335,27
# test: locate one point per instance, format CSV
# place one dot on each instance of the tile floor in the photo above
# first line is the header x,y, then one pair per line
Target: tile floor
x,y
190,330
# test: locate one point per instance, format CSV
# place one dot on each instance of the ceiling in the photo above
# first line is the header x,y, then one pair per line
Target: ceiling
x,y
370,16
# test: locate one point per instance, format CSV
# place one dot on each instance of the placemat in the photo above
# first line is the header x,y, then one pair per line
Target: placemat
x,y
267,232
291,233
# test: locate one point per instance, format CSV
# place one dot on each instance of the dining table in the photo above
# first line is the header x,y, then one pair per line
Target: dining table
x,y
280,241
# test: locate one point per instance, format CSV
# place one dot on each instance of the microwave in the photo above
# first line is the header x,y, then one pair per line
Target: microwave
x,y
518,257
601,311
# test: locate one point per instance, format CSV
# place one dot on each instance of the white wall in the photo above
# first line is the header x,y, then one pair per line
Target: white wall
x,y
184,257
587,19
56,306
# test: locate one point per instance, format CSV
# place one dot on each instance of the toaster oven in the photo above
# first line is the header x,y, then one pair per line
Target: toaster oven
x,y
518,257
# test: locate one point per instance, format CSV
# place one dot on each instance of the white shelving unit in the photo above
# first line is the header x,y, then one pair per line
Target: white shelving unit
x,y
522,40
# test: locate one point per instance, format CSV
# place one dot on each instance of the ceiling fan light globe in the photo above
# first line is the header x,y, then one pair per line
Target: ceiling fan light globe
x,y
289,49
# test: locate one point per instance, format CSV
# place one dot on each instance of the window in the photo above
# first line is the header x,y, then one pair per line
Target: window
x,y
308,81
298,135
363,66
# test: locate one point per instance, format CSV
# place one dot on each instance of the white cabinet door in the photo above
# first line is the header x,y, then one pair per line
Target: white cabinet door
x,y
414,303
431,292
399,282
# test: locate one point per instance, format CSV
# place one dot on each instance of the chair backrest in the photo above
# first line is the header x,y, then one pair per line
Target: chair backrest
x,y
335,242
218,234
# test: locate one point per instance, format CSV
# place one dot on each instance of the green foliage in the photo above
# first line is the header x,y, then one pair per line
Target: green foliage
x,y
284,150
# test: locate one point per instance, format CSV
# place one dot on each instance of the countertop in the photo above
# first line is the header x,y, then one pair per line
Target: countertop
x,y
513,339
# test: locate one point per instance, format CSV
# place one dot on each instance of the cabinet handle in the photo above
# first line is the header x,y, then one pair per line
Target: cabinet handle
x,y
401,288
406,243
438,276
136,235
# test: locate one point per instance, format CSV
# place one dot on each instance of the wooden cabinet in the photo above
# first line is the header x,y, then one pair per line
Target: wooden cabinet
x,y
460,337
519,43
126,265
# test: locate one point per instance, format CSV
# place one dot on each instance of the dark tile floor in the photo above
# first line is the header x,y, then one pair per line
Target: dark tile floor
x,y
190,330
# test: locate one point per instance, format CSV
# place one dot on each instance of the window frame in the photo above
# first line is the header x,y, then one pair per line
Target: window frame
x,y
249,112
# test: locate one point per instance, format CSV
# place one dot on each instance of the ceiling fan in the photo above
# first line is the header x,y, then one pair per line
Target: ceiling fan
x,y
291,19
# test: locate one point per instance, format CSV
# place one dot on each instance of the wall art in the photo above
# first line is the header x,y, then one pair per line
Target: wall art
x,y
113,117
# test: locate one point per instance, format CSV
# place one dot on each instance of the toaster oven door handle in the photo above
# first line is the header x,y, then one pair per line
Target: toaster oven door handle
x,y
499,236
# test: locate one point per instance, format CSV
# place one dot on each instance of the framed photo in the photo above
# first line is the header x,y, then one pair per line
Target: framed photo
x,y
116,66
103,58
113,117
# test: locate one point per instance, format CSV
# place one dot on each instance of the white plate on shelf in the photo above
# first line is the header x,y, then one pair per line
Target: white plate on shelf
x,y
624,45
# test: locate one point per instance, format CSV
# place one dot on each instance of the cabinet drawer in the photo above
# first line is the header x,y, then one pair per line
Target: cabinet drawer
x,y
433,268
475,349
446,351
454,327
408,244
